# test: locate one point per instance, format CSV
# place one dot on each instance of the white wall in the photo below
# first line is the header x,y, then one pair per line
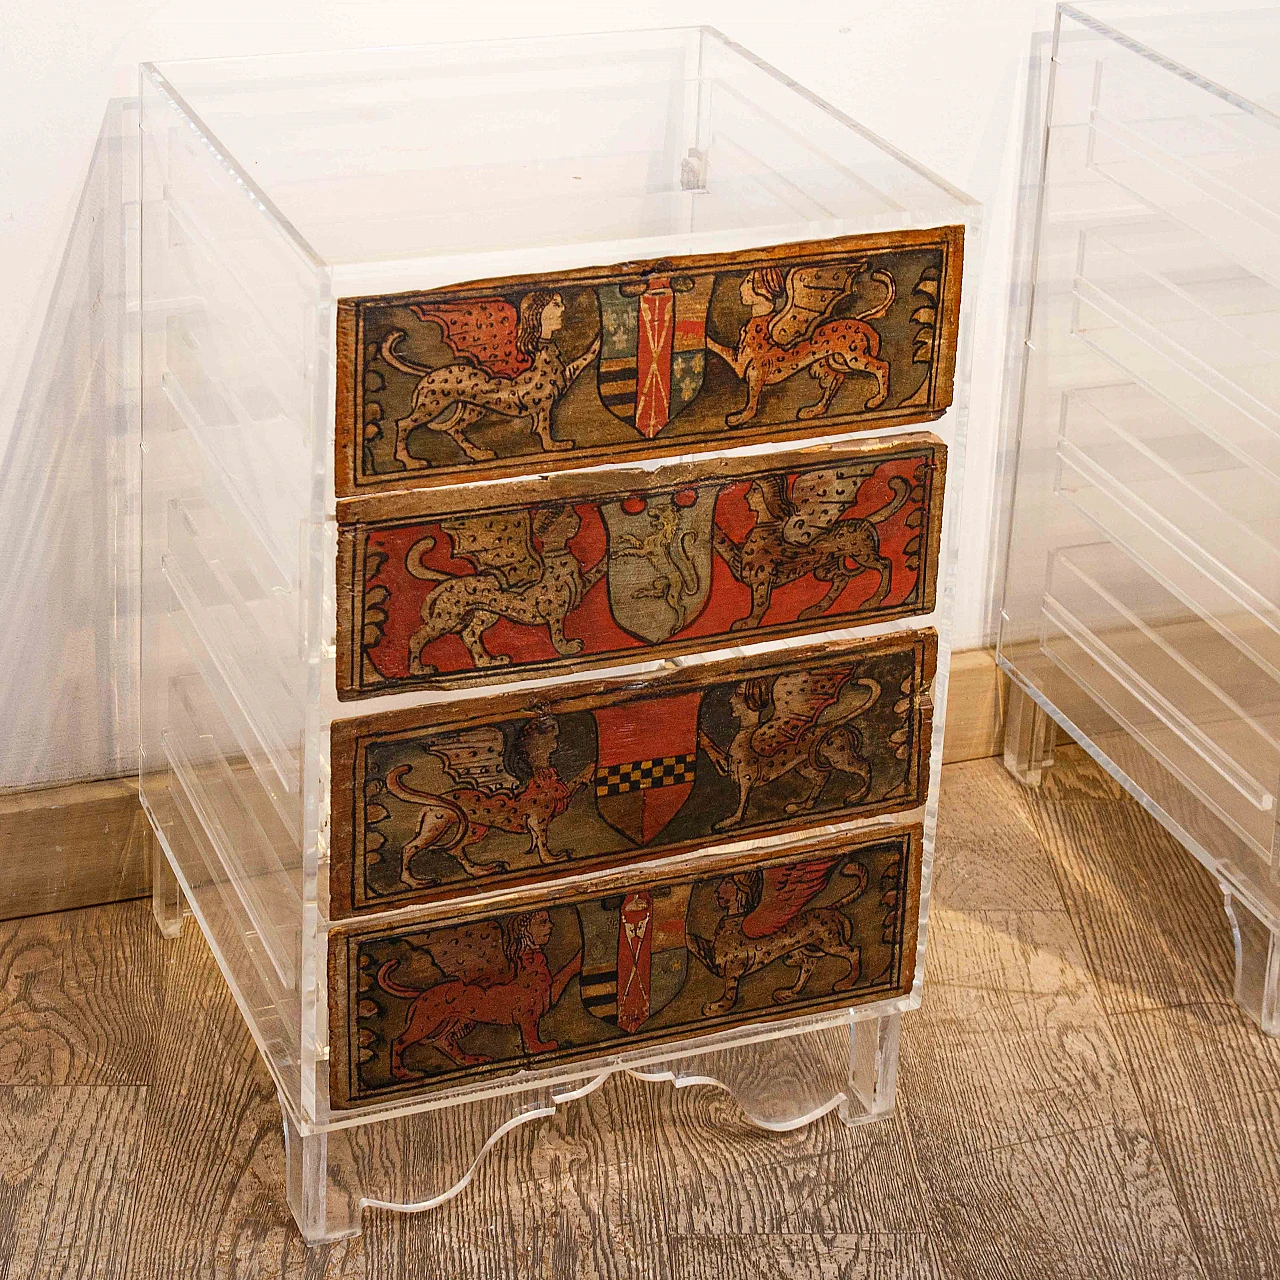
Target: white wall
x,y
938,78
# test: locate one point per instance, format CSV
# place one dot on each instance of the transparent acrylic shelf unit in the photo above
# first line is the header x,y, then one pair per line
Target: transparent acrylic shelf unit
x,y
1142,576
274,186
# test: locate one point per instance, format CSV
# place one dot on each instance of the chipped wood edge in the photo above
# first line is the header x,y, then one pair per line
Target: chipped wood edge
x,y
351,739
350,650
604,483
947,336
352,682
345,990
348,441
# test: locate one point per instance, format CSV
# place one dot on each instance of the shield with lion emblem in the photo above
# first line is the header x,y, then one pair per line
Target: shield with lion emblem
x,y
653,347
660,560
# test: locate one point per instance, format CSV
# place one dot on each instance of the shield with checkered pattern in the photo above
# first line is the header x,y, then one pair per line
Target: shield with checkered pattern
x,y
646,755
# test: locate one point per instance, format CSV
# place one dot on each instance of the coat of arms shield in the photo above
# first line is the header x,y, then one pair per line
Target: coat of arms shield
x,y
646,759
635,954
653,347
660,560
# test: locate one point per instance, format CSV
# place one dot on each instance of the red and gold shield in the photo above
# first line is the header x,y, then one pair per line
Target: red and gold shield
x,y
635,954
653,347
646,755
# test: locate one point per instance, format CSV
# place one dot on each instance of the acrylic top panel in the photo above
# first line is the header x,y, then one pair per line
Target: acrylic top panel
x,y
395,167
1232,51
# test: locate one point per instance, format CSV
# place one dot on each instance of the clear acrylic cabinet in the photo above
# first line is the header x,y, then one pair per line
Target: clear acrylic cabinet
x,y
1142,591
273,189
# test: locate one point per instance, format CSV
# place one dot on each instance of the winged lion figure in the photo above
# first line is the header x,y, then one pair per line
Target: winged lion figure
x,y
768,917
489,798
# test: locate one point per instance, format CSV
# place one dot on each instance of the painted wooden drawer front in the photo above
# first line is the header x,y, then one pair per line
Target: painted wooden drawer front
x,y
645,359
739,940
582,571
487,793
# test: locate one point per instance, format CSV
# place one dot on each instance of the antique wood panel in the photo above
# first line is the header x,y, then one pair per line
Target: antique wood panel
x,y
492,792
458,588
975,729
647,958
645,359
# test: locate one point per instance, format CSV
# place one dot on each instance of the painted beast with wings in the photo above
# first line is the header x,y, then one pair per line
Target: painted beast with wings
x,y
768,917
492,799
805,531
508,364
794,325
514,579
796,723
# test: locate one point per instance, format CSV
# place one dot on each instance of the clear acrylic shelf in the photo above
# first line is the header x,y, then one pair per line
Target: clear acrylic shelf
x,y
1141,584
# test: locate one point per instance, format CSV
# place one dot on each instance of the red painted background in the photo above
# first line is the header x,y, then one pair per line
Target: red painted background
x,y
592,621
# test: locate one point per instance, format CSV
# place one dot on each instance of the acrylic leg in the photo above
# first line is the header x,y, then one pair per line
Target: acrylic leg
x,y
1257,964
873,1069
166,894
1029,733
779,1084
322,1210
408,1164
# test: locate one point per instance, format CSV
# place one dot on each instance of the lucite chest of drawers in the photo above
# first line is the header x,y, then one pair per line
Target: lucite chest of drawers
x,y
548,451
1142,580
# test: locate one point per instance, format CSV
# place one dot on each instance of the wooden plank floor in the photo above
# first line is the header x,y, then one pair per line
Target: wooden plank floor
x,y
1078,1097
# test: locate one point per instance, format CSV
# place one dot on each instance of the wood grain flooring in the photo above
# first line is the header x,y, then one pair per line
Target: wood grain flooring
x,y
1078,1097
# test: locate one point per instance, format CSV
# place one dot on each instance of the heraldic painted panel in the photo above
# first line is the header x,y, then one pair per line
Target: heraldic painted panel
x,y
565,977
539,373
581,572
485,794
